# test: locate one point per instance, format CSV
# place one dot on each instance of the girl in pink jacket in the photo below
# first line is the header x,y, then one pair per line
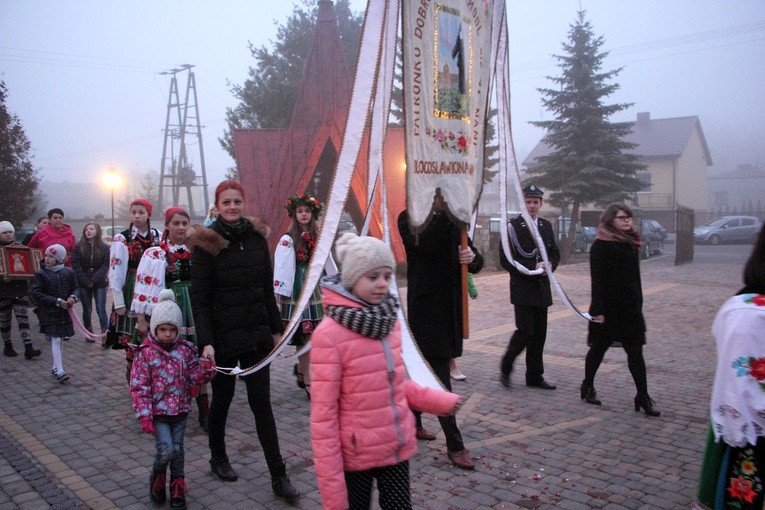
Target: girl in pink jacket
x,y
362,427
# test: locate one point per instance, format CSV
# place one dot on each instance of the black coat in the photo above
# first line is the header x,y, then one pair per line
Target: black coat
x,y
434,285
91,270
47,287
617,293
527,290
232,293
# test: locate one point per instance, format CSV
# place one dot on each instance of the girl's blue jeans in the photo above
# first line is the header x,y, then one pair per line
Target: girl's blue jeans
x,y
169,442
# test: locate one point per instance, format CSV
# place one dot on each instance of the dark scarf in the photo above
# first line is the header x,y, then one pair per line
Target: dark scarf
x,y
373,321
238,230
611,233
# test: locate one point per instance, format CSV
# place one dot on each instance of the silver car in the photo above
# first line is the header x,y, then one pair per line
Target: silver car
x,y
728,229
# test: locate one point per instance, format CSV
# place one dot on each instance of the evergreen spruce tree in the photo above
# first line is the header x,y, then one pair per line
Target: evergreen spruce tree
x,y
267,97
18,177
590,161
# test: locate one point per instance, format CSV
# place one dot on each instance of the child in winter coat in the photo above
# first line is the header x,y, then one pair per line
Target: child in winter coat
x,y
164,371
54,290
361,423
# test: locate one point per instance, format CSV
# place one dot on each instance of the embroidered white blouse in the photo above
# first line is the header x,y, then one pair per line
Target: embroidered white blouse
x,y
738,396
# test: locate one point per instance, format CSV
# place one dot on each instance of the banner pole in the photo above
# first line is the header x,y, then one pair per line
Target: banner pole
x,y
464,277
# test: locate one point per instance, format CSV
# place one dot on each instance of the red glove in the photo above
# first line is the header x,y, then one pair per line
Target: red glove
x,y
147,425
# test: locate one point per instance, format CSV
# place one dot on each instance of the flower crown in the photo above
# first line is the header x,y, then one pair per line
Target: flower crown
x,y
305,199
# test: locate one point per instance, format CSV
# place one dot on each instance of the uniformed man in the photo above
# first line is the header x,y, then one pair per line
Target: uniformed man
x,y
529,294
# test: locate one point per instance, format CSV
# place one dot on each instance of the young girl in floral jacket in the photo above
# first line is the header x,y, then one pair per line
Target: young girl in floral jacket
x,y
362,427
165,370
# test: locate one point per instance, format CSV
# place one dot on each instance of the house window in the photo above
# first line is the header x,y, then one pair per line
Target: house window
x,y
645,178
721,198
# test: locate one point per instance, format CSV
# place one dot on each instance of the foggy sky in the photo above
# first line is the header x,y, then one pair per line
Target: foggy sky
x,y
83,76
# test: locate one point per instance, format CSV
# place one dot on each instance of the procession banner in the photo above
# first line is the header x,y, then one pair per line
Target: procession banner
x,y
446,79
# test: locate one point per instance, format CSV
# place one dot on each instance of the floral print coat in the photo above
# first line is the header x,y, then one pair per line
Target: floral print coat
x,y
161,381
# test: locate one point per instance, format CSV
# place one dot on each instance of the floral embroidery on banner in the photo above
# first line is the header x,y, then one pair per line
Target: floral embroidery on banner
x,y
449,140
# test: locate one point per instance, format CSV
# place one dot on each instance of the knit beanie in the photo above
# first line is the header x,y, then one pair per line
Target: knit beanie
x,y
56,251
165,312
6,226
359,255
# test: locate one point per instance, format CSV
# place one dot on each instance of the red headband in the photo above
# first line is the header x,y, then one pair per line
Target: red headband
x,y
226,185
143,202
172,211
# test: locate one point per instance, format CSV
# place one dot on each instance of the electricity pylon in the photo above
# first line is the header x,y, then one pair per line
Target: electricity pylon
x,y
182,130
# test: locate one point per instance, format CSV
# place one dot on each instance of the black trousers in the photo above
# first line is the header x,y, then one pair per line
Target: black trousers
x,y
454,442
530,334
259,398
392,485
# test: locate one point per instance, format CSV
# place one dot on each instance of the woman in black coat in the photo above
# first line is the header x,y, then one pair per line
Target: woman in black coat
x,y
237,321
617,303
90,261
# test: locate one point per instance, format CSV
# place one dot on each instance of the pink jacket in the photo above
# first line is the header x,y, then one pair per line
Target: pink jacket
x,y
361,418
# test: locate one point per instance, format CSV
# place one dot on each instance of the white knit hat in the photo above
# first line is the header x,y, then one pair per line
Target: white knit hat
x,y
359,255
56,251
6,226
166,312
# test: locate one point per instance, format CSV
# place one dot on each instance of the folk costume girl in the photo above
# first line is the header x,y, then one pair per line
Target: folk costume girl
x,y
124,257
293,252
169,266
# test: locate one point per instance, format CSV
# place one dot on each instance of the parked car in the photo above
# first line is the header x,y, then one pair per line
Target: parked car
x,y
728,229
653,235
109,233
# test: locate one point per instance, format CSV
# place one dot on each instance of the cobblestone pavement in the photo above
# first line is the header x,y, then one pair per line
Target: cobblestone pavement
x,y
77,445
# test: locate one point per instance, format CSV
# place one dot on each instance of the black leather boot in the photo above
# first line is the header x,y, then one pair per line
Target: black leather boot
x,y
646,403
589,394
30,352
8,350
283,489
157,487
222,469
178,492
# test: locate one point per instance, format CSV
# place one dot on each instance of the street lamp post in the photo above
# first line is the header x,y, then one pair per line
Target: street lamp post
x,y
111,180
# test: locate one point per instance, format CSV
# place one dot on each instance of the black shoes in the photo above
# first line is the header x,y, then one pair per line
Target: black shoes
x,y
504,379
646,403
542,384
30,352
589,394
8,350
178,493
223,470
157,487
283,489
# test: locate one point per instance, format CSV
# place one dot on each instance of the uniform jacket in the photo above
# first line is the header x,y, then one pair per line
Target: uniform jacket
x,y
360,414
161,381
49,286
89,268
232,294
617,292
530,290
48,236
434,285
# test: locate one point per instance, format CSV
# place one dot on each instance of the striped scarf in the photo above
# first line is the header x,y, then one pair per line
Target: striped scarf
x,y
373,321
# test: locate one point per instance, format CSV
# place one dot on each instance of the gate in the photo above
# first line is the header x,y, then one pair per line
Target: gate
x,y
684,223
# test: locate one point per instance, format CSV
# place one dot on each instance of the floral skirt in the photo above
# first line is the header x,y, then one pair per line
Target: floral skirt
x,y
312,314
731,477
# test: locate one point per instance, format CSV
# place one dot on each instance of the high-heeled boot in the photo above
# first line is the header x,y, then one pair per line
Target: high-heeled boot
x,y
157,483
203,404
646,403
588,394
